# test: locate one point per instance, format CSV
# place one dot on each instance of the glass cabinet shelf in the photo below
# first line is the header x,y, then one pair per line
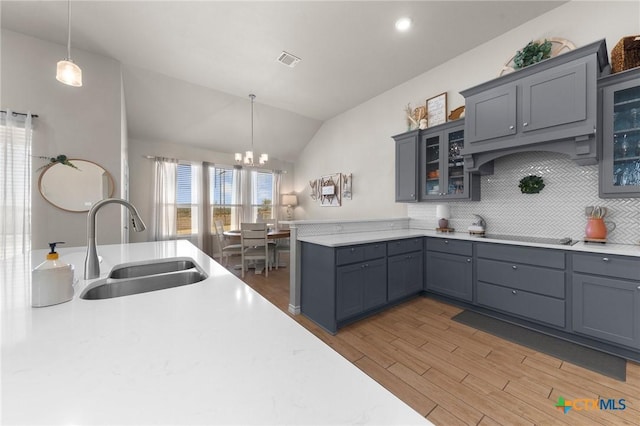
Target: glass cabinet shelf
x,y
620,162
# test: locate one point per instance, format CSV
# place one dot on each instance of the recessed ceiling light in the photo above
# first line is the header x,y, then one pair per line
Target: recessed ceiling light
x,y
403,24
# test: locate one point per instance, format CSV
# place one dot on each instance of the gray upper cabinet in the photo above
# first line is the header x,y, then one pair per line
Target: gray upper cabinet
x,y
551,104
407,166
491,114
441,171
620,136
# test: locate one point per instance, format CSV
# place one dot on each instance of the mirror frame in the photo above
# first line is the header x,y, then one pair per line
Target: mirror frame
x,y
110,178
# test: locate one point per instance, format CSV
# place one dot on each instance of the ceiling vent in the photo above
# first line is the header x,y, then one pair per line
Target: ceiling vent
x,y
288,59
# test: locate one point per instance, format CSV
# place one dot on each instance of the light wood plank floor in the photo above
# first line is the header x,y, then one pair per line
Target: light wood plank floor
x,y
455,375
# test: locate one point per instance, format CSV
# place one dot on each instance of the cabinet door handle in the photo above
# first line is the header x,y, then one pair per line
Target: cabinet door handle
x,y
446,241
362,266
514,267
605,259
525,124
366,265
510,127
639,287
352,250
413,195
468,260
514,292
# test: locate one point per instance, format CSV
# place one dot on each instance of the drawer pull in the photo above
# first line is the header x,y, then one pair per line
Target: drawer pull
x,y
639,287
446,241
468,260
352,250
605,259
525,124
514,292
514,267
510,127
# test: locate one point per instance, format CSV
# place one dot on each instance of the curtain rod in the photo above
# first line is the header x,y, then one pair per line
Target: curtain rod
x,y
21,113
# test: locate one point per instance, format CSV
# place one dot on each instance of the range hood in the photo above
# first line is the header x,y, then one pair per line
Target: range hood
x,y
549,106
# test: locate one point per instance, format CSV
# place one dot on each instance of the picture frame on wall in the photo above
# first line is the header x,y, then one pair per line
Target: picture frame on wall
x,y
330,190
437,109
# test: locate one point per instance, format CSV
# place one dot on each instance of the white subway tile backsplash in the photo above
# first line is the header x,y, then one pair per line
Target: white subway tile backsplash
x,y
557,211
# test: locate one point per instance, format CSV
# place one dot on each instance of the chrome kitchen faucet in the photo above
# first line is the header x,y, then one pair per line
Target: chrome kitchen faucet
x,y
91,264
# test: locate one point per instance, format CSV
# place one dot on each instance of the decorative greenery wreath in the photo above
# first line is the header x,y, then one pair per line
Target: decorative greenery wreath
x,y
533,52
61,159
531,184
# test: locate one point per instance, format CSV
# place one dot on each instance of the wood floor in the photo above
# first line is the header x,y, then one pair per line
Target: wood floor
x,y
455,375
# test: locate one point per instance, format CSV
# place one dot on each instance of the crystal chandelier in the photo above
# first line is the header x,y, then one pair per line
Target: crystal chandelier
x,y
247,160
67,72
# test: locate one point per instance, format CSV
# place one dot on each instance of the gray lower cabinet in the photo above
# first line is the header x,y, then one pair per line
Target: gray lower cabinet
x,y
449,268
404,268
606,298
343,284
360,287
523,281
407,166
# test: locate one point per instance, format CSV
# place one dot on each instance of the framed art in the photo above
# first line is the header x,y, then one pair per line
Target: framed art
x,y
330,190
437,109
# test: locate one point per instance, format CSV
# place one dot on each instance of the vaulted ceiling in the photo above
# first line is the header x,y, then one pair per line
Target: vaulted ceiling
x,y
189,66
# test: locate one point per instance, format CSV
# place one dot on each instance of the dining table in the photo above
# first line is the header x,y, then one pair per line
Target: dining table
x,y
273,234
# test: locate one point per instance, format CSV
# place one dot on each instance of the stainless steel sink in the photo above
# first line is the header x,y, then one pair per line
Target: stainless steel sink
x,y
140,277
133,270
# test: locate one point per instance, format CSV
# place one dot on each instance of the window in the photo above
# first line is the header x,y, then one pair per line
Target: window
x,y
261,196
187,200
240,195
15,185
225,197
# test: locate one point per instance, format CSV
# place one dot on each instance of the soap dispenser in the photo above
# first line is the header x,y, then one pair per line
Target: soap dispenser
x,y
52,280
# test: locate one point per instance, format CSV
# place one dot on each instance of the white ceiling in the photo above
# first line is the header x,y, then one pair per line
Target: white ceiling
x,y
189,66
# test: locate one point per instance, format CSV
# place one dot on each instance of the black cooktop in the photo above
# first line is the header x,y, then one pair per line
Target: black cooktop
x,y
542,240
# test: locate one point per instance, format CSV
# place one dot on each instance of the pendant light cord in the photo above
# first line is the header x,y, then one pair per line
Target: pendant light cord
x,y
252,96
68,29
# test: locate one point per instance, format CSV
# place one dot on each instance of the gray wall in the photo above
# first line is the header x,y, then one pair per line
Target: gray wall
x,y
78,122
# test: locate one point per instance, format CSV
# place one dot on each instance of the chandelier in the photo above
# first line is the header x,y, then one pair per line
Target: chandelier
x,y
247,160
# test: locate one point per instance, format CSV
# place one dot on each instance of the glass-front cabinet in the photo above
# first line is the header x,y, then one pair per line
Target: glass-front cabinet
x,y
442,174
620,162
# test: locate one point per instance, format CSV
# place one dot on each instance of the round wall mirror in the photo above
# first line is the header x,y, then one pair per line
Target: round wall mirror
x,y
75,190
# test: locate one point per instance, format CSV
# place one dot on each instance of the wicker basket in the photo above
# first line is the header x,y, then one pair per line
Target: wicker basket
x,y
626,54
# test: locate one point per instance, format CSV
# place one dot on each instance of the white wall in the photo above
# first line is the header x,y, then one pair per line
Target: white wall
x,y
78,122
359,140
141,173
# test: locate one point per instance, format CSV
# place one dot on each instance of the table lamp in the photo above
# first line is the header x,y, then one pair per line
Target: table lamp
x,y
443,214
290,200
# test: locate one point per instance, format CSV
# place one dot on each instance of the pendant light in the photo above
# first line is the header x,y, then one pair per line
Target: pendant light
x,y
247,160
68,72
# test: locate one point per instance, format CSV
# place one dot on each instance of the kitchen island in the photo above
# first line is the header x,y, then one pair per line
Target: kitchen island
x,y
213,352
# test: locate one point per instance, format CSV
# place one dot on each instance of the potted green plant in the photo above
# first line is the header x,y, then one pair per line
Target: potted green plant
x,y
533,52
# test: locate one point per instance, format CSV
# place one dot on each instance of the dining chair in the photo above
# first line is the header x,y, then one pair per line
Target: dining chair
x,y
224,248
255,244
282,245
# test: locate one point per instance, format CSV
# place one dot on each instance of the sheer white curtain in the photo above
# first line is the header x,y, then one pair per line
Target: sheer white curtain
x,y
15,184
240,198
164,199
277,214
197,208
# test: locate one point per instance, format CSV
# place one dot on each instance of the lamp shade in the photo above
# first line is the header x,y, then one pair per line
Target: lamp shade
x,y
442,211
290,200
69,73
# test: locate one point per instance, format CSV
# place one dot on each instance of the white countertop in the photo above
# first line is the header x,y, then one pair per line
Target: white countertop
x,y
345,239
214,352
